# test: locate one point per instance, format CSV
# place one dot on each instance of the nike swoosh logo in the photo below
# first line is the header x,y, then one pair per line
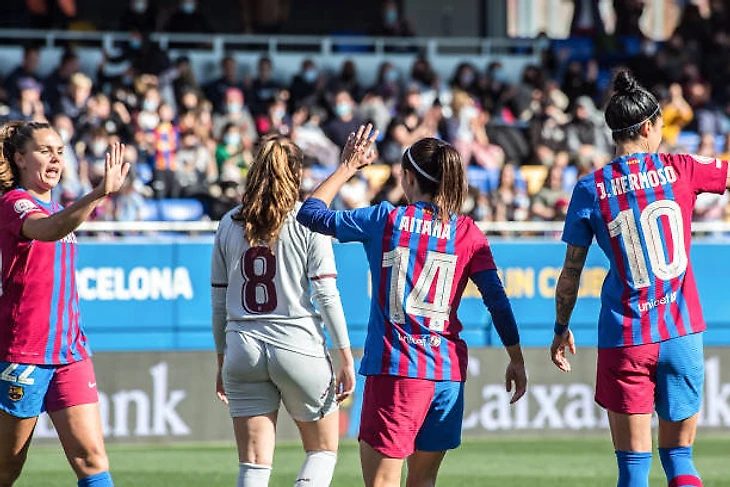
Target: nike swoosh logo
x,y
92,385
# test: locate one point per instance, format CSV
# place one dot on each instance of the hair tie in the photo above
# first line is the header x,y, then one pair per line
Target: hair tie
x,y
637,124
418,168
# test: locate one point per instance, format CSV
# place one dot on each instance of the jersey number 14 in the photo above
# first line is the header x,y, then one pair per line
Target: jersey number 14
x,y
437,272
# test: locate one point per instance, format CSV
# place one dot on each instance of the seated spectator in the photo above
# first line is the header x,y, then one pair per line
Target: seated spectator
x,y
276,121
92,149
99,113
71,186
263,88
548,135
347,80
145,56
188,19
707,117
148,118
404,130
551,201
344,122
307,86
586,133
185,82
140,15
56,84
196,166
27,69
235,111
309,136
166,143
676,112
216,90
509,201
128,203
580,80
232,159
74,101
392,22
373,109
388,84
29,106
466,79
392,189
470,135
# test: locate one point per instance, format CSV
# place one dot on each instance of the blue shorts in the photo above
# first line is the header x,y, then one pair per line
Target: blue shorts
x,y
28,390
667,377
403,414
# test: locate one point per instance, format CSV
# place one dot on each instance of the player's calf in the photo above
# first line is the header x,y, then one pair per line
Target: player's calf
x,y
633,468
10,469
679,467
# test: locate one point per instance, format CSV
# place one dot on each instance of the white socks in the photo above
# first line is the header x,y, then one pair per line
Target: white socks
x,y
252,475
317,469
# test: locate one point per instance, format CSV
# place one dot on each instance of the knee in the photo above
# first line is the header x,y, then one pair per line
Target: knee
x,y
10,469
89,461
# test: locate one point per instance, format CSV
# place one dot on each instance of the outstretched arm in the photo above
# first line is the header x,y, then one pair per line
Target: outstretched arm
x,y
566,294
56,226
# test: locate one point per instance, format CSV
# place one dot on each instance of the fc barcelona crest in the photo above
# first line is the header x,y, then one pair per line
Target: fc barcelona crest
x,y
15,393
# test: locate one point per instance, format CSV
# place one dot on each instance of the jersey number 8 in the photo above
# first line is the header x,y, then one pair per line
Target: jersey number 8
x,y
258,268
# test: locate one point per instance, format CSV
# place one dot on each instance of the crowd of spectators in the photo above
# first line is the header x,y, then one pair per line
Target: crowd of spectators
x,y
525,143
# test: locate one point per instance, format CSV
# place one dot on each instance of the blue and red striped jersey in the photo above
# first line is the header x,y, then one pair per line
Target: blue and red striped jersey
x,y
419,268
39,305
639,208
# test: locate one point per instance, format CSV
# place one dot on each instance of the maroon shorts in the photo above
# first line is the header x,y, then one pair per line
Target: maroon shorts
x,y
72,385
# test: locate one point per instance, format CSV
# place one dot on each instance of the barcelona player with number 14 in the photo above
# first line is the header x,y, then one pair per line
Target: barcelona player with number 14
x,y
421,256
639,208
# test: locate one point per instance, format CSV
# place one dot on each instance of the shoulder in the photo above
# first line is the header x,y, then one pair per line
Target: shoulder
x,y
20,200
227,221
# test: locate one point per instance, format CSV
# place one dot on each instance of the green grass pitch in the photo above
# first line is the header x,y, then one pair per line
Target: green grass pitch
x,y
503,461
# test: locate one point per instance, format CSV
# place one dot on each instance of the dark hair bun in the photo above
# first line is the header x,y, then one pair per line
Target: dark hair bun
x,y
624,83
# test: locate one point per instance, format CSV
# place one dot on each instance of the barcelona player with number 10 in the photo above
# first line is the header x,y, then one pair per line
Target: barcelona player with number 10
x,y
639,208
421,256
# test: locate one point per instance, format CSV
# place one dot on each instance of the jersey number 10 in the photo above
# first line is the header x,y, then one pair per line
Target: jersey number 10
x,y
438,271
663,266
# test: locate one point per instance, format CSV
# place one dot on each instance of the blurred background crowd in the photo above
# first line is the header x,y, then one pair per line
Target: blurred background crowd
x,y
524,140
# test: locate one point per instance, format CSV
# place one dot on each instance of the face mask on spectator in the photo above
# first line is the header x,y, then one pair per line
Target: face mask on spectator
x,y
279,113
391,75
499,75
232,138
148,121
135,43
149,105
343,109
466,78
65,135
139,6
188,7
234,108
390,16
98,147
469,113
310,75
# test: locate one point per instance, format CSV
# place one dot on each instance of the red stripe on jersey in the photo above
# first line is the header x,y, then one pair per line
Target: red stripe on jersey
x,y
644,318
450,344
421,254
405,356
618,256
317,278
56,357
660,194
692,300
383,296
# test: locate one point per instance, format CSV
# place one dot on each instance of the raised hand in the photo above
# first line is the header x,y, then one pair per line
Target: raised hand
x,y
358,151
115,170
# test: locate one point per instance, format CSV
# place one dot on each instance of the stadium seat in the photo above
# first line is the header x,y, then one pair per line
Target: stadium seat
x,y
143,172
689,141
180,210
376,174
578,48
484,179
150,211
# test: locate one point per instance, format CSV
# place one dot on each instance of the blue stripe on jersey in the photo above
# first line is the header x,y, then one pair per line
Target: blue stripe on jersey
x,y
395,353
53,318
431,356
64,306
650,195
444,347
413,323
668,319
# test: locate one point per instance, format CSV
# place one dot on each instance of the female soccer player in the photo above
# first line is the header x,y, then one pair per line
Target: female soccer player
x,y
639,208
44,354
420,257
268,335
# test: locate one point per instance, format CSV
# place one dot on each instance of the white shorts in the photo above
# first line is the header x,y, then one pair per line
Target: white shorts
x,y
258,376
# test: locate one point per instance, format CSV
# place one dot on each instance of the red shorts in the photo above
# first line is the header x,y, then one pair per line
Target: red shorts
x,y
72,385
402,414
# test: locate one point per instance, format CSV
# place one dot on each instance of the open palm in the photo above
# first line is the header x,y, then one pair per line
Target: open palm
x,y
115,169
358,151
